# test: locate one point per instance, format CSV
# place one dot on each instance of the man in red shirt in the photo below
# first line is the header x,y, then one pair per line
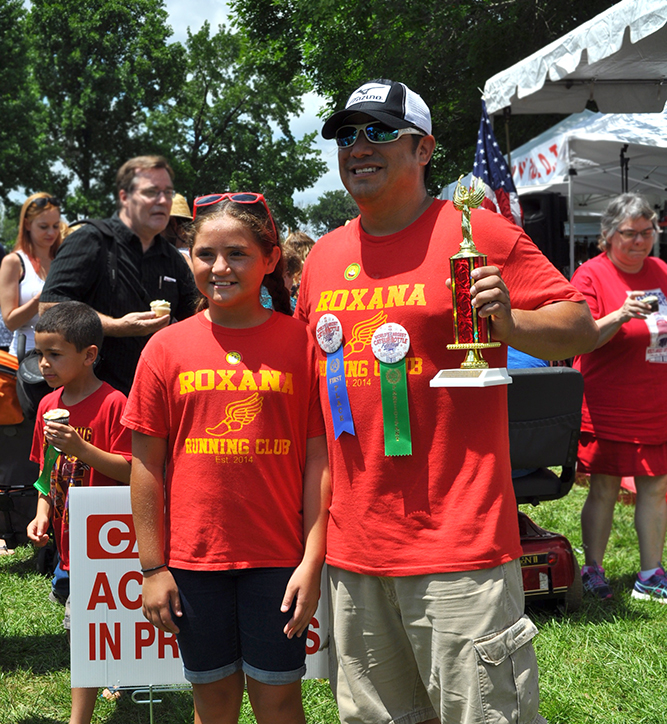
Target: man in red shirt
x,y
423,542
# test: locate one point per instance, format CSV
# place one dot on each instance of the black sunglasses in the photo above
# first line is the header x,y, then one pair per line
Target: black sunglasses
x,y
44,201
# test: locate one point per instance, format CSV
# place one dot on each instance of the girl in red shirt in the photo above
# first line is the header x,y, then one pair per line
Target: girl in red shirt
x,y
230,481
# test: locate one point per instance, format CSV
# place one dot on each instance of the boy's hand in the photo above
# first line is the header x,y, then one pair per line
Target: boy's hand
x,y
64,437
37,531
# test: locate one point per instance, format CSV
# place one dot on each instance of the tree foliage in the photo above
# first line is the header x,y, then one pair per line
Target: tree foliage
x,y
101,66
331,210
24,146
443,49
100,82
227,127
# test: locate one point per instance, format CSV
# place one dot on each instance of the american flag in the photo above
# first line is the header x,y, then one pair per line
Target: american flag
x,y
491,169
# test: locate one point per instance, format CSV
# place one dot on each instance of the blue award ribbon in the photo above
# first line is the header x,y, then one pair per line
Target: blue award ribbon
x,y
337,389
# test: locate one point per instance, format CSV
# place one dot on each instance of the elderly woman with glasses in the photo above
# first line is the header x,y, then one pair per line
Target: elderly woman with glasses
x,y
624,421
23,272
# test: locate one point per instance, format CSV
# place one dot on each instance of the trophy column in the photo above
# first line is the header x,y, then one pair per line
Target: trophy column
x,y
471,332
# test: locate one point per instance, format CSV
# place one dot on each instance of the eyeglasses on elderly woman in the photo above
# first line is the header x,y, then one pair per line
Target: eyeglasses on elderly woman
x,y
631,234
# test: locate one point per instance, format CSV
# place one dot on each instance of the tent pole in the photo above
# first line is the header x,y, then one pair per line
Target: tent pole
x,y
507,112
570,211
625,163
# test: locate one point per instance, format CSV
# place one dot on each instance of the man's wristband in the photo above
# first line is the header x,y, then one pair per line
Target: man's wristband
x,y
155,568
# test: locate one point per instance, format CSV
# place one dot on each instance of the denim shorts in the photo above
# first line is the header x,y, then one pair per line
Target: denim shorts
x,y
232,620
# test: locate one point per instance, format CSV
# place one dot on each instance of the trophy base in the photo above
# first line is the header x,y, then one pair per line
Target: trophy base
x,y
489,377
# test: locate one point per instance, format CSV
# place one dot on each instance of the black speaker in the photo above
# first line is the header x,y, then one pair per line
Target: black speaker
x,y
544,217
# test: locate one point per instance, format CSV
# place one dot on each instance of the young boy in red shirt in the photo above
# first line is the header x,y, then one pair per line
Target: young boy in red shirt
x,y
94,448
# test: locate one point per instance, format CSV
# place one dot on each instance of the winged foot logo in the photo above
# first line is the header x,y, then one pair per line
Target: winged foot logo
x,y
237,415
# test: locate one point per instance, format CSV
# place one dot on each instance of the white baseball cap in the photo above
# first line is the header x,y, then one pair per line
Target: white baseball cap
x,y
387,101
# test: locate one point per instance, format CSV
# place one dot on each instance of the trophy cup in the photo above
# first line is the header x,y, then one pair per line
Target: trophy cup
x,y
471,332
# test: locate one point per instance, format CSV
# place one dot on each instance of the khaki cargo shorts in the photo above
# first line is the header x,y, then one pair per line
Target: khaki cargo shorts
x,y
451,645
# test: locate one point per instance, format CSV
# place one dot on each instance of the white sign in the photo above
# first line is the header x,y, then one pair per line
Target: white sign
x,y
111,641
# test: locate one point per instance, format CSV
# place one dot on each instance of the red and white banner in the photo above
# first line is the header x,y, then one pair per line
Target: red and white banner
x,y
111,641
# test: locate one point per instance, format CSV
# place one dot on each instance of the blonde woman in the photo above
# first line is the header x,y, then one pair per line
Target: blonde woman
x,y
22,273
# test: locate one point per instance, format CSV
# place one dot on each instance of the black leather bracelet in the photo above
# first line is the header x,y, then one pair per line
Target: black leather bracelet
x,y
155,568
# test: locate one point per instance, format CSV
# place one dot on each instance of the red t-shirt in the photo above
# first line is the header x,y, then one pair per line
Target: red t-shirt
x,y
236,407
625,380
449,506
97,420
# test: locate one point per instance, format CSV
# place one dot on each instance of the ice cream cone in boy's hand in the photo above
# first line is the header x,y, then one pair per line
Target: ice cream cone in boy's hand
x,y
57,415
161,307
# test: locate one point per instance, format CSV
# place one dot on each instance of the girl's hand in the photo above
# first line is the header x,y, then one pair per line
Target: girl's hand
x,y
304,585
64,437
160,598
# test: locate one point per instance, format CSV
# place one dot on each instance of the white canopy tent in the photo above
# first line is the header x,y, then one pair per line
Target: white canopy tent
x,y
618,58
582,154
590,145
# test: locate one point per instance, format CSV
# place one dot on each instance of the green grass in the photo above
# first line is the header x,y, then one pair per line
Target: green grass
x,y
34,663
607,662
604,664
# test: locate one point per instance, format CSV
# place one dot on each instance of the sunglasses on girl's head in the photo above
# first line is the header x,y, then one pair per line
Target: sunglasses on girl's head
x,y
43,201
242,197
375,132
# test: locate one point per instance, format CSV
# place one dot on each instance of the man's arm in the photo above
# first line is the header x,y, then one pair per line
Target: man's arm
x,y
134,324
552,332
74,274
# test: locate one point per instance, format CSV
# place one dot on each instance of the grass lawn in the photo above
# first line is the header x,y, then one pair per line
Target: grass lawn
x,y
605,664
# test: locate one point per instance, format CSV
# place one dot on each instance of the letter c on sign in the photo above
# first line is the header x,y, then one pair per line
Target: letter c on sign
x,y
122,536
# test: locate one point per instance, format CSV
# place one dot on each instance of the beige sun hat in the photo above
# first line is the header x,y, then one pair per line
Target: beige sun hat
x,y
180,208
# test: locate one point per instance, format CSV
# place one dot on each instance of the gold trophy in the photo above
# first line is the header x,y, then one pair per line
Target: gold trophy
x,y
471,332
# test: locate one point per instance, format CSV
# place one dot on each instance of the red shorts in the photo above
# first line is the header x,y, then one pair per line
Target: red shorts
x,y
612,457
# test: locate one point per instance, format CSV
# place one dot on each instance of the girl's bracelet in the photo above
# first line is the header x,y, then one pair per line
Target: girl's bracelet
x,y
155,568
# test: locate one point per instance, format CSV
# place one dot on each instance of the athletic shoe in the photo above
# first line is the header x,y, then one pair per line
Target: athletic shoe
x,y
57,598
653,588
595,582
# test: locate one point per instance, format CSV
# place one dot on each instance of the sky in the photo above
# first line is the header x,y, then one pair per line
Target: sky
x,y
185,13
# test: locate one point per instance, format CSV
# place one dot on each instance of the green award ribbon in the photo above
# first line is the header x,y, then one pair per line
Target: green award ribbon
x,y
390,345
43,481
395,410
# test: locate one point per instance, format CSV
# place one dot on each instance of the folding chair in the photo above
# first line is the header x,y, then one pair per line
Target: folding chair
x,y
544,406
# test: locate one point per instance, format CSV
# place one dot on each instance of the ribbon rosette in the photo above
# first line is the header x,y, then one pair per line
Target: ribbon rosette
x,y
329,335
390,345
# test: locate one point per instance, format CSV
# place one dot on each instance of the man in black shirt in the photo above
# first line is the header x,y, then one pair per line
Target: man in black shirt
x,y
120,265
